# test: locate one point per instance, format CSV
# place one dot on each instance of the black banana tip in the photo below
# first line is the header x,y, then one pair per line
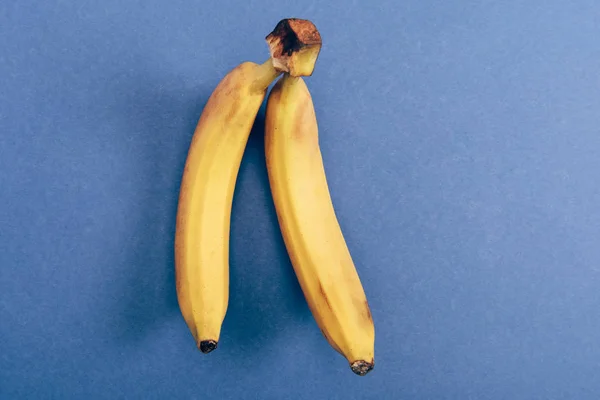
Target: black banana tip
x,y
206,346
361,367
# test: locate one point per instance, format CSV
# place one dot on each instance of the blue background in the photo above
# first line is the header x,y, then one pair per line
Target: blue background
x,y
462,146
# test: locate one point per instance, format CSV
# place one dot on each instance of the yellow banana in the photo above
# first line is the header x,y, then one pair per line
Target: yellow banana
x,y
310,229
208,183
206,193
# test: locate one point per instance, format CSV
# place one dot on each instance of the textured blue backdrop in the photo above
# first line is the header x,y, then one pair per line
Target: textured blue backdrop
x,y
462,145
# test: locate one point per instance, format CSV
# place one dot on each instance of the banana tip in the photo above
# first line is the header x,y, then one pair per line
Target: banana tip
x,y
362,367
206,346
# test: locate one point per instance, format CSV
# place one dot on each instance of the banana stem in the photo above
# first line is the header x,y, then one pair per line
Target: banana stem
x,y
295,45
290,82
265,75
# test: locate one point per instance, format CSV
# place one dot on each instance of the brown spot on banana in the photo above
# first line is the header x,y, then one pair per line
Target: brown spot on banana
x,y
227,92
367,312
324,297
303,122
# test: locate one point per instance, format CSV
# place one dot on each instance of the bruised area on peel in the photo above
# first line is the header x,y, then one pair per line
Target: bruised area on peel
x,y
227,92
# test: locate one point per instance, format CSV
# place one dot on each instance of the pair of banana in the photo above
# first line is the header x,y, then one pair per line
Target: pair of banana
x,y
310,229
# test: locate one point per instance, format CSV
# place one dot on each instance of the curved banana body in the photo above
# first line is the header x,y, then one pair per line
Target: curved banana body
x,y
311,231
205,199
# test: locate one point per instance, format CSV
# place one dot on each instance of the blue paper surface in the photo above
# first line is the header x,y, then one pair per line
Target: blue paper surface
x,y
462,146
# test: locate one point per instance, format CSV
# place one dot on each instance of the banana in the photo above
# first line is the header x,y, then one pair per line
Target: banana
x,y
205,199
209,177
311,232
